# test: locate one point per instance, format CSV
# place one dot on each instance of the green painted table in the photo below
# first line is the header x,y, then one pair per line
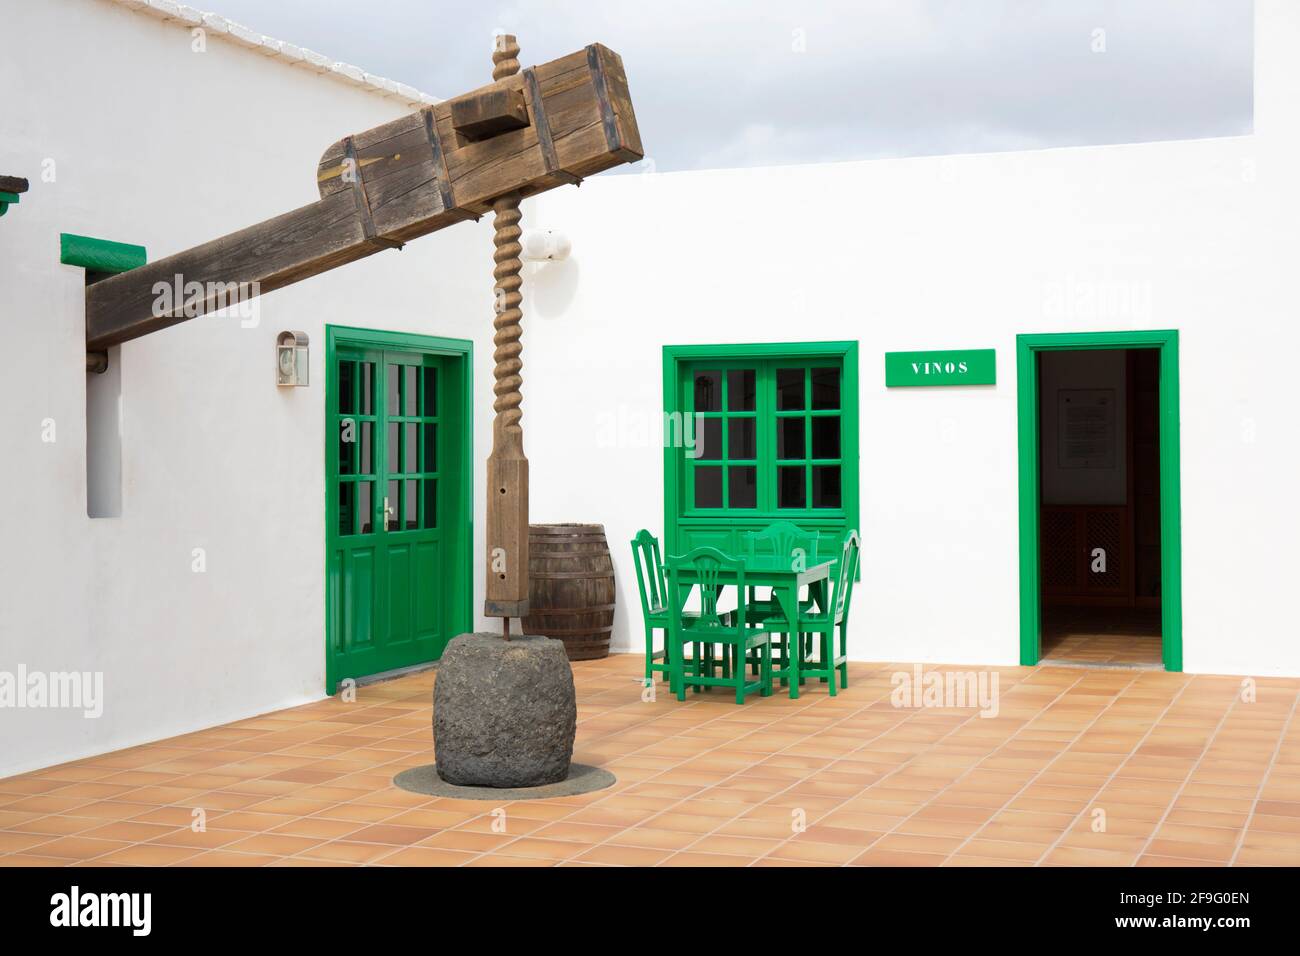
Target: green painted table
x,y
779,574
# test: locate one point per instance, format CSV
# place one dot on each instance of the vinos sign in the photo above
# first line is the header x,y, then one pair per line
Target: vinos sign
x,y
957,367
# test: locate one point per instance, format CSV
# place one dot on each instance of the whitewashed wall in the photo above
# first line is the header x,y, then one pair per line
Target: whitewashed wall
x,y
157,145
954,252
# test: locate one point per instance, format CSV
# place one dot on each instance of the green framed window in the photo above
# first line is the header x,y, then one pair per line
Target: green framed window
x,y
756,433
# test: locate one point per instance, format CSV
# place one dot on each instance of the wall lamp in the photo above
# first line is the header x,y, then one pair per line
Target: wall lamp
x,y
291,358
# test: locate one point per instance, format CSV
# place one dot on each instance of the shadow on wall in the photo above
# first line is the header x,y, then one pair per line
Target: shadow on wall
x,y
551,288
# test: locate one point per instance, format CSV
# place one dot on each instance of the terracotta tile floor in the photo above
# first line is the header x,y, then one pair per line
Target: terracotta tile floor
x,y
1102,635
1180,769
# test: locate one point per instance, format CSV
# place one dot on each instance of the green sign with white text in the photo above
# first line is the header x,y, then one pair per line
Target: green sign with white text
x,y
954,367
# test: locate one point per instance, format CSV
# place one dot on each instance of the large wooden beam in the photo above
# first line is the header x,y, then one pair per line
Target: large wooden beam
x,y
391,184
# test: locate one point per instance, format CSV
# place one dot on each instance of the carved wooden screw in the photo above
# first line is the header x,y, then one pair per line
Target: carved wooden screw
x,y
507,467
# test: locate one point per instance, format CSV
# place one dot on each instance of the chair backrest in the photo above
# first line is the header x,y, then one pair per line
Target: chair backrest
x,y
711,569
649,571
848,570
782,538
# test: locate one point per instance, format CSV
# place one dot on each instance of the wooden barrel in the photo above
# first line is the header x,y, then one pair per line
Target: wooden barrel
x,y
571,587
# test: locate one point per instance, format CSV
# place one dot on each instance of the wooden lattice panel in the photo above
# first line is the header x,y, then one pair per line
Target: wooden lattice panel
x,y
1060,561
1104,529
1069,536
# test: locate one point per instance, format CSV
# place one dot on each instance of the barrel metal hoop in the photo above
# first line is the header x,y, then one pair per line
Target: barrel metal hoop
x,y
570,575
570,610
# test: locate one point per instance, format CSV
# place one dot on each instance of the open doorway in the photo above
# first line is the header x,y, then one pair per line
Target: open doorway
x,y
1100,581
1099,505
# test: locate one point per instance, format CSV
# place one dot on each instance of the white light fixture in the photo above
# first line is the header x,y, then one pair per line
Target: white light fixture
x,y
291,358
544,245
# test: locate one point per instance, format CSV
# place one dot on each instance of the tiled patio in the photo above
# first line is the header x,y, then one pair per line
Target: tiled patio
x,y
1183,770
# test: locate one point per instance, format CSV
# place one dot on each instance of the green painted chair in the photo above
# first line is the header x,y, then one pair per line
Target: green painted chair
x,y
783,537
779,538
814,622
653,585
831,622
733,631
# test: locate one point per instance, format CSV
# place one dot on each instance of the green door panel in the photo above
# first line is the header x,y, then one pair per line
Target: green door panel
x,y
398,531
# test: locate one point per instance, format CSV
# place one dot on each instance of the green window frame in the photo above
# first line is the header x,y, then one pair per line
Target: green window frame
x,y
756,433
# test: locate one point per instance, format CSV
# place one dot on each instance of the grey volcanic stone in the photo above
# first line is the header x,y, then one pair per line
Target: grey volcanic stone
x,y
504,712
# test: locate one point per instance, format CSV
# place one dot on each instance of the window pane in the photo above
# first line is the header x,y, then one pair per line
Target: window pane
x,y
394,377
411,505
789,438
740,438
390,515
826,486
708,487
410,391
410,447
367,388
430,392
825,388
347,385
345,507
365,509
708,391
347,447
430,447
711,439
430,517
826,437
790,488
366,463
789,389
392,449
742,486
740,390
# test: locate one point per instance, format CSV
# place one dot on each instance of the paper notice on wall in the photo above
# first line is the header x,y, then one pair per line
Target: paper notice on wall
x,y
1085,428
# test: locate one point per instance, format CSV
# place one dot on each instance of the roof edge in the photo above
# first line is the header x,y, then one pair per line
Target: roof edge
x,y
288,53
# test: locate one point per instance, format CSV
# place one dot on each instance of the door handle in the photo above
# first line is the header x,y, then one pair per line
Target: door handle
x,y
388,512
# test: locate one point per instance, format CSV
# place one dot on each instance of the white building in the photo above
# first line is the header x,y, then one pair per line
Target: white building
x,y
202,595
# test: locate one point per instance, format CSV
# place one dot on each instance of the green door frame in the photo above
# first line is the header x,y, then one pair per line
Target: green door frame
x,y
1171,578
460,614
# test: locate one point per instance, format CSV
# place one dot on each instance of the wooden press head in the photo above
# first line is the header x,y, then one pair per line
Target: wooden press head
x,y
534,130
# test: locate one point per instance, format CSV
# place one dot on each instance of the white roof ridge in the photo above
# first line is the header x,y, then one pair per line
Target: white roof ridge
x,y
289,53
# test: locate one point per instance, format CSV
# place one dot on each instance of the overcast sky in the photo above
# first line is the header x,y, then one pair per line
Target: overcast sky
x,y
760,82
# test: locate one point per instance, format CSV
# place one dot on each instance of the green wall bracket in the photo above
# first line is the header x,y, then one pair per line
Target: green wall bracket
x,y
99,255
10,187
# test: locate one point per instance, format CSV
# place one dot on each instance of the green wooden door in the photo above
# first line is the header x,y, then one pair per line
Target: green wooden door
x,y
393,533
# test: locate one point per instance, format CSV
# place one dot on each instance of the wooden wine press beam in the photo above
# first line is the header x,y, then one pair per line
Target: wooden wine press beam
x,y
523,134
